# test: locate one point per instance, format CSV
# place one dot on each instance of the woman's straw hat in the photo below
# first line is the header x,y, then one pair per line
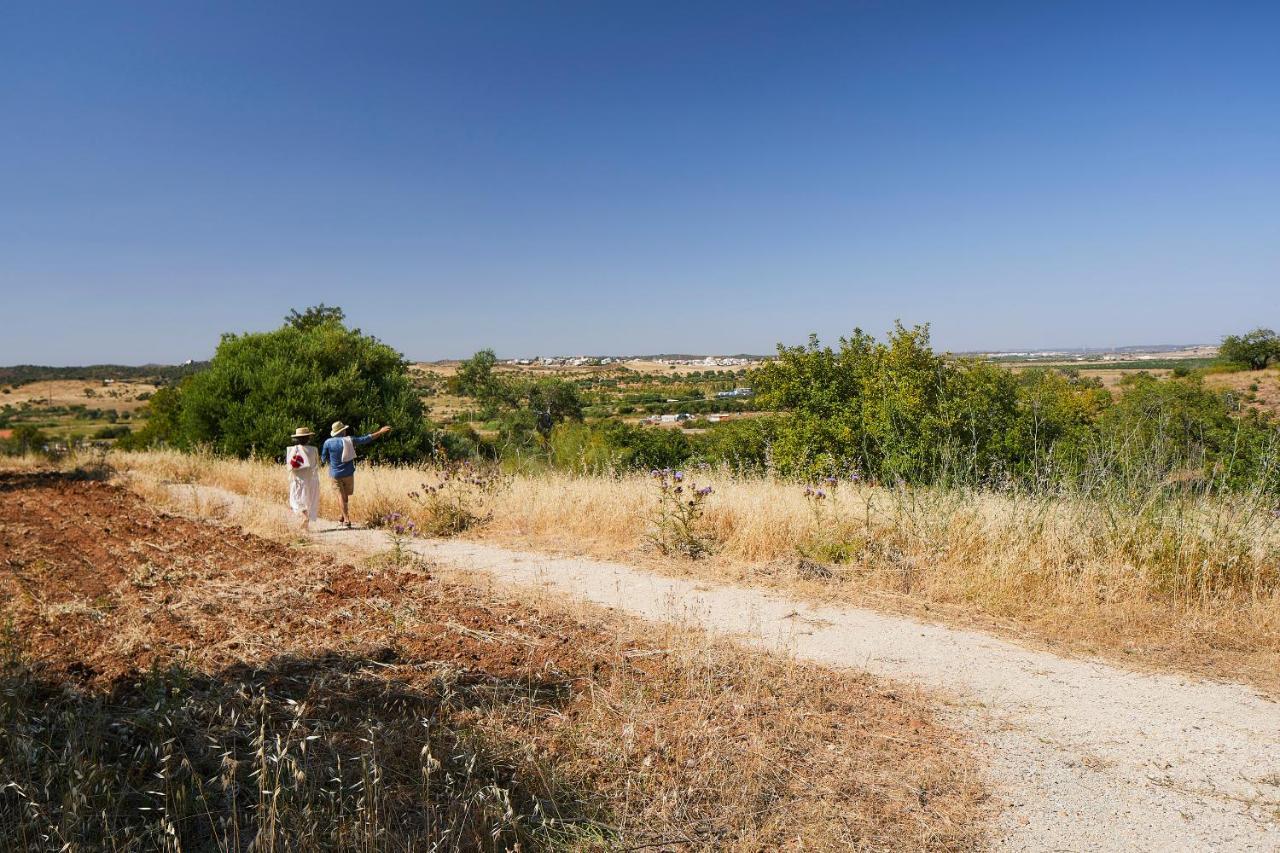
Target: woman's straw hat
x,y
338,428
302,432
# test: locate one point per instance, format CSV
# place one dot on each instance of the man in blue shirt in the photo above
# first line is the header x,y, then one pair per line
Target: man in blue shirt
x,y
340,452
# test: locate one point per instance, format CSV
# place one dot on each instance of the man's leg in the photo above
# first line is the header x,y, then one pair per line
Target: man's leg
x,y
346,486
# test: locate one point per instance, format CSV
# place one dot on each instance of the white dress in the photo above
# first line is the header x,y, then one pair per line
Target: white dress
x,y
304,481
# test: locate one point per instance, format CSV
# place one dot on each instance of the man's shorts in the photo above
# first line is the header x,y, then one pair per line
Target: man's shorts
x,y
346,485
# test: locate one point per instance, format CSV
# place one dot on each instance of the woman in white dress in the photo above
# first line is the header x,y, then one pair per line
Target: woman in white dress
x,y
302,461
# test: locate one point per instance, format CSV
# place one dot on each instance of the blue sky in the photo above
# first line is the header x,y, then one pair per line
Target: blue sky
x,y
642,177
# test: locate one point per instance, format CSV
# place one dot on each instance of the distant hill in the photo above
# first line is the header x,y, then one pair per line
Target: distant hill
x,y
160,374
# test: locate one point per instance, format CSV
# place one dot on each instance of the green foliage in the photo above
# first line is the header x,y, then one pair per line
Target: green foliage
x,y
613,445
314,317
108,432
1179,431
26,438
162,425
1254,350
742,445
527,410
475,378
898,411
259,387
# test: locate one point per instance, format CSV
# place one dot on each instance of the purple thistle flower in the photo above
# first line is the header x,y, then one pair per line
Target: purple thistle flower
x,y
678,476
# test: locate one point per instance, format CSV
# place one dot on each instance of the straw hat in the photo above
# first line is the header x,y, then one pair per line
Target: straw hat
x,y
302,432
338,428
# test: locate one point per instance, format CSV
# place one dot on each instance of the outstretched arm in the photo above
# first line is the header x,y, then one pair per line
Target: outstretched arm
x,y
365,439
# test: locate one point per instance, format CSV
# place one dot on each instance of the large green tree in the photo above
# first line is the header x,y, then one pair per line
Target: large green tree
x,y
312,371
1254,350
524,407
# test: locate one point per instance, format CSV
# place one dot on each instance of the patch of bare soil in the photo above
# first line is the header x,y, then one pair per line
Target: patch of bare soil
x,y
173,678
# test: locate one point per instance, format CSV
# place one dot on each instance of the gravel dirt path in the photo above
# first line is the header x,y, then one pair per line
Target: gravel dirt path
x,y
1085,755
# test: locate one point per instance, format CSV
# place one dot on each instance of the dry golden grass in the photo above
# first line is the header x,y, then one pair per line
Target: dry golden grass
x,y
1190,584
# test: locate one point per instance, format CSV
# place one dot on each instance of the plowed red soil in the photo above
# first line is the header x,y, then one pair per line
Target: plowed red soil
x,y
100,588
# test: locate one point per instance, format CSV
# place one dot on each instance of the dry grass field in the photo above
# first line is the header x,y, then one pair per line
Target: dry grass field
x,y
121,396
1266,397
173,684
1182,583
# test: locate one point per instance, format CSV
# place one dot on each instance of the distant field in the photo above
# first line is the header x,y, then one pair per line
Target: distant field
x,y
1266,396
627,390
123,396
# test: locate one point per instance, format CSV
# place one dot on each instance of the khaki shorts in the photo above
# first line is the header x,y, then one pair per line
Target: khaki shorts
x,y
346,485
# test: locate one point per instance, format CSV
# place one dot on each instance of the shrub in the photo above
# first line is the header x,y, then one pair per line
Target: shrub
x,y
675,522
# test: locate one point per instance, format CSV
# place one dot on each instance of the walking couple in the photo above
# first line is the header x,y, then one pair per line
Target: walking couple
x,y
303,463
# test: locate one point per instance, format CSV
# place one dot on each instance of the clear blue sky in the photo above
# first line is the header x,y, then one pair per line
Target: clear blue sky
x,y
605,177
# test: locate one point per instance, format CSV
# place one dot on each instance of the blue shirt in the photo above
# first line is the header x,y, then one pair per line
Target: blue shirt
x,y
331,452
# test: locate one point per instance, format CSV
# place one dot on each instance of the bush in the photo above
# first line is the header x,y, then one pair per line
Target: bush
x,y
259,387
108,432
898,411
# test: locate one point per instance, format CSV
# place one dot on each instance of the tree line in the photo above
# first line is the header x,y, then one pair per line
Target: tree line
x,y
892,410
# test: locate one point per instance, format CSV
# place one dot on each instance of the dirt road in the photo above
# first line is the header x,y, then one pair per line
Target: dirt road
x,y
1087,756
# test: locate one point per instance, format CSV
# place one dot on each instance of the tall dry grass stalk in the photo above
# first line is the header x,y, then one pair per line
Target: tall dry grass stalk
x,y
1160,575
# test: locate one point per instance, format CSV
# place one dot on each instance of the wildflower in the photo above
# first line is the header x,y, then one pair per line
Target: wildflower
x,y
831,481
704,491
678,476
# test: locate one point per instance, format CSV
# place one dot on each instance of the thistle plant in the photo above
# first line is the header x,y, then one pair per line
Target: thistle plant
x,y
829,540
399,531
676,522
460,498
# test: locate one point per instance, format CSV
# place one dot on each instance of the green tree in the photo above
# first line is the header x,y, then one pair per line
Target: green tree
x,y
525,408
26,438
316,315
476,378
258,387
162,426
1254,350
